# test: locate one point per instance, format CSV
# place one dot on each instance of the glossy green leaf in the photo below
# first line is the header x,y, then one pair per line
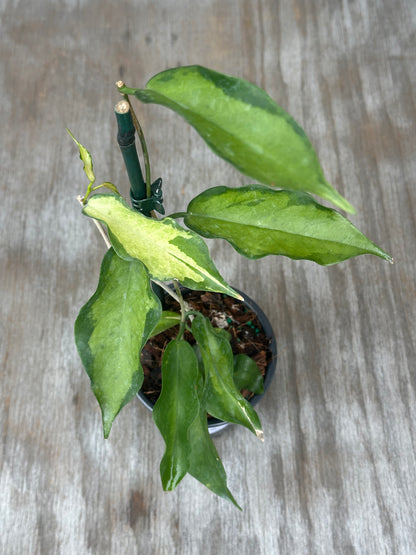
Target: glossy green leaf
x,y
243,125
247,374
176,409
259,221
167,320
167,250
112,328
204,462
220,396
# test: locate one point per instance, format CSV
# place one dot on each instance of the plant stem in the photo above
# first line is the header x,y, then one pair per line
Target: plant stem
x,y
167,289
144,149
178,215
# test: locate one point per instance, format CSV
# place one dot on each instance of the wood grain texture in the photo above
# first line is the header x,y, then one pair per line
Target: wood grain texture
x,y
337,472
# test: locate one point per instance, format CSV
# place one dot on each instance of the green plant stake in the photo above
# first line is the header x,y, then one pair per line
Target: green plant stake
x,y
276,216
127,144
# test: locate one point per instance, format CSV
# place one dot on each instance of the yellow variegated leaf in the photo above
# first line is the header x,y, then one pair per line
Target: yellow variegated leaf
x,y
168,250
112,328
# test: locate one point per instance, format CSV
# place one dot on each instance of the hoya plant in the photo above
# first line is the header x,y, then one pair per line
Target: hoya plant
x,y
276,215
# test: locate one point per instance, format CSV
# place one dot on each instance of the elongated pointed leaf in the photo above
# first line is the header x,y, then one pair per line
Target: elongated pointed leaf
x,y
204,462
243,125
258,221
167,250
112,328
247,374
86,158
176,409
220,396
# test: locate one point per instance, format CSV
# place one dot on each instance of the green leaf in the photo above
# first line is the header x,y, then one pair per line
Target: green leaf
x,y
86,158
176,409
167,250
243,125
204,462
258,221
167,320
247,374
220,396
197,352
112,328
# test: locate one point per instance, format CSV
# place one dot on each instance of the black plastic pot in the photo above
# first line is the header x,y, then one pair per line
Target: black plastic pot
x,y
216,426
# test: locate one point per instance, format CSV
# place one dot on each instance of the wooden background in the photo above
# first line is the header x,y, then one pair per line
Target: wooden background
x,y
337,472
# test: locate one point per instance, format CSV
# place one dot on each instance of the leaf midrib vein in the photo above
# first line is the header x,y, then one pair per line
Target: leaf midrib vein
x,y
263,228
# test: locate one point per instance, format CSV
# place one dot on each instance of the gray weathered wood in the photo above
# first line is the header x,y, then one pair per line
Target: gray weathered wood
x,y
336,473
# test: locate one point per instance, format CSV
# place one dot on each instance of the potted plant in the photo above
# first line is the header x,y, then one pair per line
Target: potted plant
x,y
275,216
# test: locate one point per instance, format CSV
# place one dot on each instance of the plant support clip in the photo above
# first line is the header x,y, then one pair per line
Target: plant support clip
x,y
154,202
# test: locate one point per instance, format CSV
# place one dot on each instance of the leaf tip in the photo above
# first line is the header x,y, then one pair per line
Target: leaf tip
x,y
326,191
260,435
387,257
384,255
107,424
343,203
233,293
229,497
349,208
237,505
230,292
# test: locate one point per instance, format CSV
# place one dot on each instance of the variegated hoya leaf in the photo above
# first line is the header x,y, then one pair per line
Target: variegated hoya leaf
x,y
247,374
204,462
176,409
86,158
112,328
167,250
167,320
259,221
220,396
243,125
